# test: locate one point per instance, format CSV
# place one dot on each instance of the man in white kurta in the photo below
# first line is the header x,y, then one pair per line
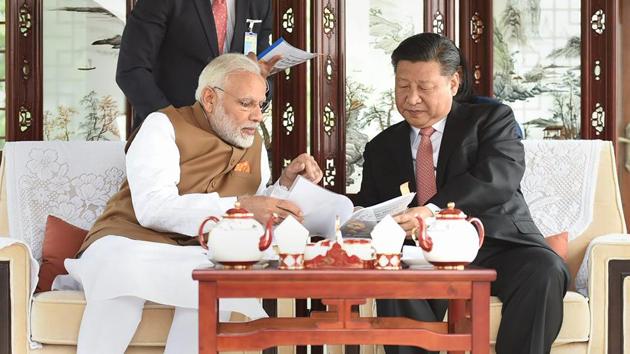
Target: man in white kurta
x,y
119,273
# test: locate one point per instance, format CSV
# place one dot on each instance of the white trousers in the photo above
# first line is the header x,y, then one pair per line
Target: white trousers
x,y
109,325
118,275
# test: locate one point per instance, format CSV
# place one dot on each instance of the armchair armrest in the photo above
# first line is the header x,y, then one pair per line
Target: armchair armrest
x,y
609,263
15,270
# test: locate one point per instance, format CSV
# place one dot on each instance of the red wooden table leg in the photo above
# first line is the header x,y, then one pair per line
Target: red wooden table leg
x,y
456,318
208,317
481,318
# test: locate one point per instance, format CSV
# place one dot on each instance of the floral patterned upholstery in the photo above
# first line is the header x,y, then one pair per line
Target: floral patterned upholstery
x,y
71,180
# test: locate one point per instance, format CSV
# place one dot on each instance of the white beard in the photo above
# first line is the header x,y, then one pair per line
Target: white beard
x,y
222,124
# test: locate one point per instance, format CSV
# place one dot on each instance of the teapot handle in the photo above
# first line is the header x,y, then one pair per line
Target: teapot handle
x,y
265,239
202,240
423,240
479,227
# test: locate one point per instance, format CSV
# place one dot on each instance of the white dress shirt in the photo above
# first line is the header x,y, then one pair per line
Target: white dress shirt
x,y
436,141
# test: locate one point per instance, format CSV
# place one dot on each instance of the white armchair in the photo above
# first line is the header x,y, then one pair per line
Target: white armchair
x,y
71,180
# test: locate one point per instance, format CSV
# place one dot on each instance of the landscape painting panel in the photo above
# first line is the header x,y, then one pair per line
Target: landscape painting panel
x,y
374,29
81,44
537,65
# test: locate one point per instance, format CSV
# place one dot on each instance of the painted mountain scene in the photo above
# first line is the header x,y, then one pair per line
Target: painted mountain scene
x,y
537,65
81,44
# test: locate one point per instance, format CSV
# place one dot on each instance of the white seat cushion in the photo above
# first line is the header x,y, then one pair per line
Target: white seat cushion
x,y
575,326
65,310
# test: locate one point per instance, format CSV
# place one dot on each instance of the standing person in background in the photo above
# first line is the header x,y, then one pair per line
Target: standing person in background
x,y
166,44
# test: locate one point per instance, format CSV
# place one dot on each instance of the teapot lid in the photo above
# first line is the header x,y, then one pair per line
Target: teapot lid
x,y
451,213
238,213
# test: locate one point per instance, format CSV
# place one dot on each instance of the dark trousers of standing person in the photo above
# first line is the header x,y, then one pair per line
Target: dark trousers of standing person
x,y
531,284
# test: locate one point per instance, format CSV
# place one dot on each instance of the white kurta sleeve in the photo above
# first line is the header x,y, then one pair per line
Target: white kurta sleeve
x,y
275,190
153,174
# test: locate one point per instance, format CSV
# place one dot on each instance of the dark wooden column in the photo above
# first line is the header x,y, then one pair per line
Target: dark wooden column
x,y
5,308
289,98
618,271
599,22
328,107
24,70
439,17
129,111
475,41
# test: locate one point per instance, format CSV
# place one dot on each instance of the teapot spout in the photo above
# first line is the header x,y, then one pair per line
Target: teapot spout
x,y
424,241
265,239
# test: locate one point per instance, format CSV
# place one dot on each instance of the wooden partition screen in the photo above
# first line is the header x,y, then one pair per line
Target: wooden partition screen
x,y
598,69
328,107
24,70
439,17
475,42
289,99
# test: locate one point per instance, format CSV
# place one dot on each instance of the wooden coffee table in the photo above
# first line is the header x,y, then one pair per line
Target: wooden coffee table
x,y
468,292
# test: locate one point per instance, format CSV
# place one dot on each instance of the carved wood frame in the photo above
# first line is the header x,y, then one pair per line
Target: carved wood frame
x,y
598,60
5,308
328,110
439,17
24,75
618,271
598,69
289,100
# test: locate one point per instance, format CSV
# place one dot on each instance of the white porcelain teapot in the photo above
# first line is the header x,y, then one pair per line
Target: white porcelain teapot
x,y
451,241
237,239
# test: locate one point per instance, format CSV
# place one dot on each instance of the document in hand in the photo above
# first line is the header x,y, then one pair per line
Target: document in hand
x,y
290,55
321,206
363,220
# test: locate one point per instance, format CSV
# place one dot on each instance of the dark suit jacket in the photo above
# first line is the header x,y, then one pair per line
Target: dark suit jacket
x,y
167,43
480,166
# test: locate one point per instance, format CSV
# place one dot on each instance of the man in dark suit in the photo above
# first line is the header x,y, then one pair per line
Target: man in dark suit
x,y
469,154
166,44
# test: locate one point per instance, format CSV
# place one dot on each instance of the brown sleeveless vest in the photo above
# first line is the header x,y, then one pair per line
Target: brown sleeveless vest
x,y
207,164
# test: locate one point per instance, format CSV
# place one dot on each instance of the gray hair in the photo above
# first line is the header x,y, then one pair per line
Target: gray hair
x,y
215,73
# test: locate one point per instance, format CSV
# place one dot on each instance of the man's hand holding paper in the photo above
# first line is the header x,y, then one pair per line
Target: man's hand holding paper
x,y
303,165
321,206
266,65
407,219
290,56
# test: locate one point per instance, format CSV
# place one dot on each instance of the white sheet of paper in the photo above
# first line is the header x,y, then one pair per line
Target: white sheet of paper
x,y
388,207
290,55
320,206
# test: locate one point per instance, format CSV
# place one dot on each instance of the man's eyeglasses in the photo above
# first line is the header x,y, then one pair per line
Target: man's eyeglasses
x,y
246,103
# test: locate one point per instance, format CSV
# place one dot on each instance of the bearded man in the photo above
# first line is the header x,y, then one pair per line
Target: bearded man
x,y
183,165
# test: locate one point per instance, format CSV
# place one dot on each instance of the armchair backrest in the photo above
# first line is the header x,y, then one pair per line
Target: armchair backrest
x,y
71,180
571,185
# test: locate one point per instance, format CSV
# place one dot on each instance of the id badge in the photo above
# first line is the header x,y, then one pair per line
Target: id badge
x,y
251,43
